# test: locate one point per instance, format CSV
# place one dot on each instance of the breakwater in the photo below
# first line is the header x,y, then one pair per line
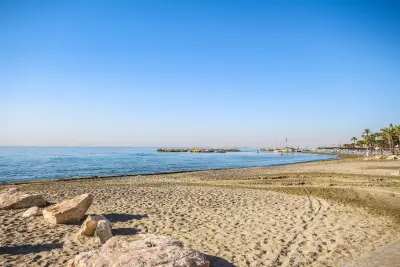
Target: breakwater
x,y
199,150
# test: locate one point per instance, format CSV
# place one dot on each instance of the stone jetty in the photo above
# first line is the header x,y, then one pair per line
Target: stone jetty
x,y
199,150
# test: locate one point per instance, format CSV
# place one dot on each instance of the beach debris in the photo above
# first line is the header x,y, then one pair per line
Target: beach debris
x,y
141,250
103,231
33,211
396,172
68,211
13,198
89,226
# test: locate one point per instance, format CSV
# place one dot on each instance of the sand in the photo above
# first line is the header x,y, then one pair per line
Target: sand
x,y
236,217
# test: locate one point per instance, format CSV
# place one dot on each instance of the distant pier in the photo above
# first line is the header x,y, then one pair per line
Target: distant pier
x,y
199,150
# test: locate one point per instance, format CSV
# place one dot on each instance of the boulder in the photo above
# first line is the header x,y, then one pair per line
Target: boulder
x,y
90,224
13,198
68,211
140,250
34,211
103,231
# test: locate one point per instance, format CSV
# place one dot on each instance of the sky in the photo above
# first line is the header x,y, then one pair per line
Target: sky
x,y
197,73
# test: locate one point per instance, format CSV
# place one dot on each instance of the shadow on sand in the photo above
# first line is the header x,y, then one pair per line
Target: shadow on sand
x,y
124,217
126,231
218,262
27,249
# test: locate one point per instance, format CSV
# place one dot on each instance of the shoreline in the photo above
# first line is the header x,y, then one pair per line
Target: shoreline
x,y
305,214
95,177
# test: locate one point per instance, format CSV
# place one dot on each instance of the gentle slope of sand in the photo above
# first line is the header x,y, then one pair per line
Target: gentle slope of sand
x,y
234,216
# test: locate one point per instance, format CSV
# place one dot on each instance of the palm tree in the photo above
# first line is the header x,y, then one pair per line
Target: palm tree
x,y
366,132
381,142
374,139
354,140
365,136
360,143
397,128
397,137
389,134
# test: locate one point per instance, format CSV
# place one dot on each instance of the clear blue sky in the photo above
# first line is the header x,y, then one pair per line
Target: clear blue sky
x,y
186,73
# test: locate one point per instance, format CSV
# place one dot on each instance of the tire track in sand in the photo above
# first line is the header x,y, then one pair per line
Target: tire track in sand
x,y
317,209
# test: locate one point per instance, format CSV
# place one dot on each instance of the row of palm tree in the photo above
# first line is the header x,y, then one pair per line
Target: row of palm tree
x,y
388,138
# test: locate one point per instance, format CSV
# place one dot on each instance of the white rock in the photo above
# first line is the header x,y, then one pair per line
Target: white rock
x,y
34,211
140,250
68,211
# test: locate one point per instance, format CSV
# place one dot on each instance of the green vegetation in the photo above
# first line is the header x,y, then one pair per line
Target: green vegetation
x,y
387,139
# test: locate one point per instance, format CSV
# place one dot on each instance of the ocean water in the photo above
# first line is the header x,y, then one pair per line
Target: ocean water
x,y
35,163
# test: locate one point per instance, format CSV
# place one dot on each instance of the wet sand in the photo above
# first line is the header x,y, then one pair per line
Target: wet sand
x,y
274,216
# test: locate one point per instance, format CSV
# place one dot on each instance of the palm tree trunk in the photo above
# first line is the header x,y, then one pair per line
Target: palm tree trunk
x,y
391,146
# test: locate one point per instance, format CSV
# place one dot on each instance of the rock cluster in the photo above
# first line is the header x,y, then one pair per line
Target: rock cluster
x,y
89,226
140,250
67,211
131,250
98,226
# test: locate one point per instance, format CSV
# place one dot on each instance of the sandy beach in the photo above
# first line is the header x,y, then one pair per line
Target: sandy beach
x,y
313,214
199,133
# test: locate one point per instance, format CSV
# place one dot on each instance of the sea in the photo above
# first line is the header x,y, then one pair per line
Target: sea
x,y
43,163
